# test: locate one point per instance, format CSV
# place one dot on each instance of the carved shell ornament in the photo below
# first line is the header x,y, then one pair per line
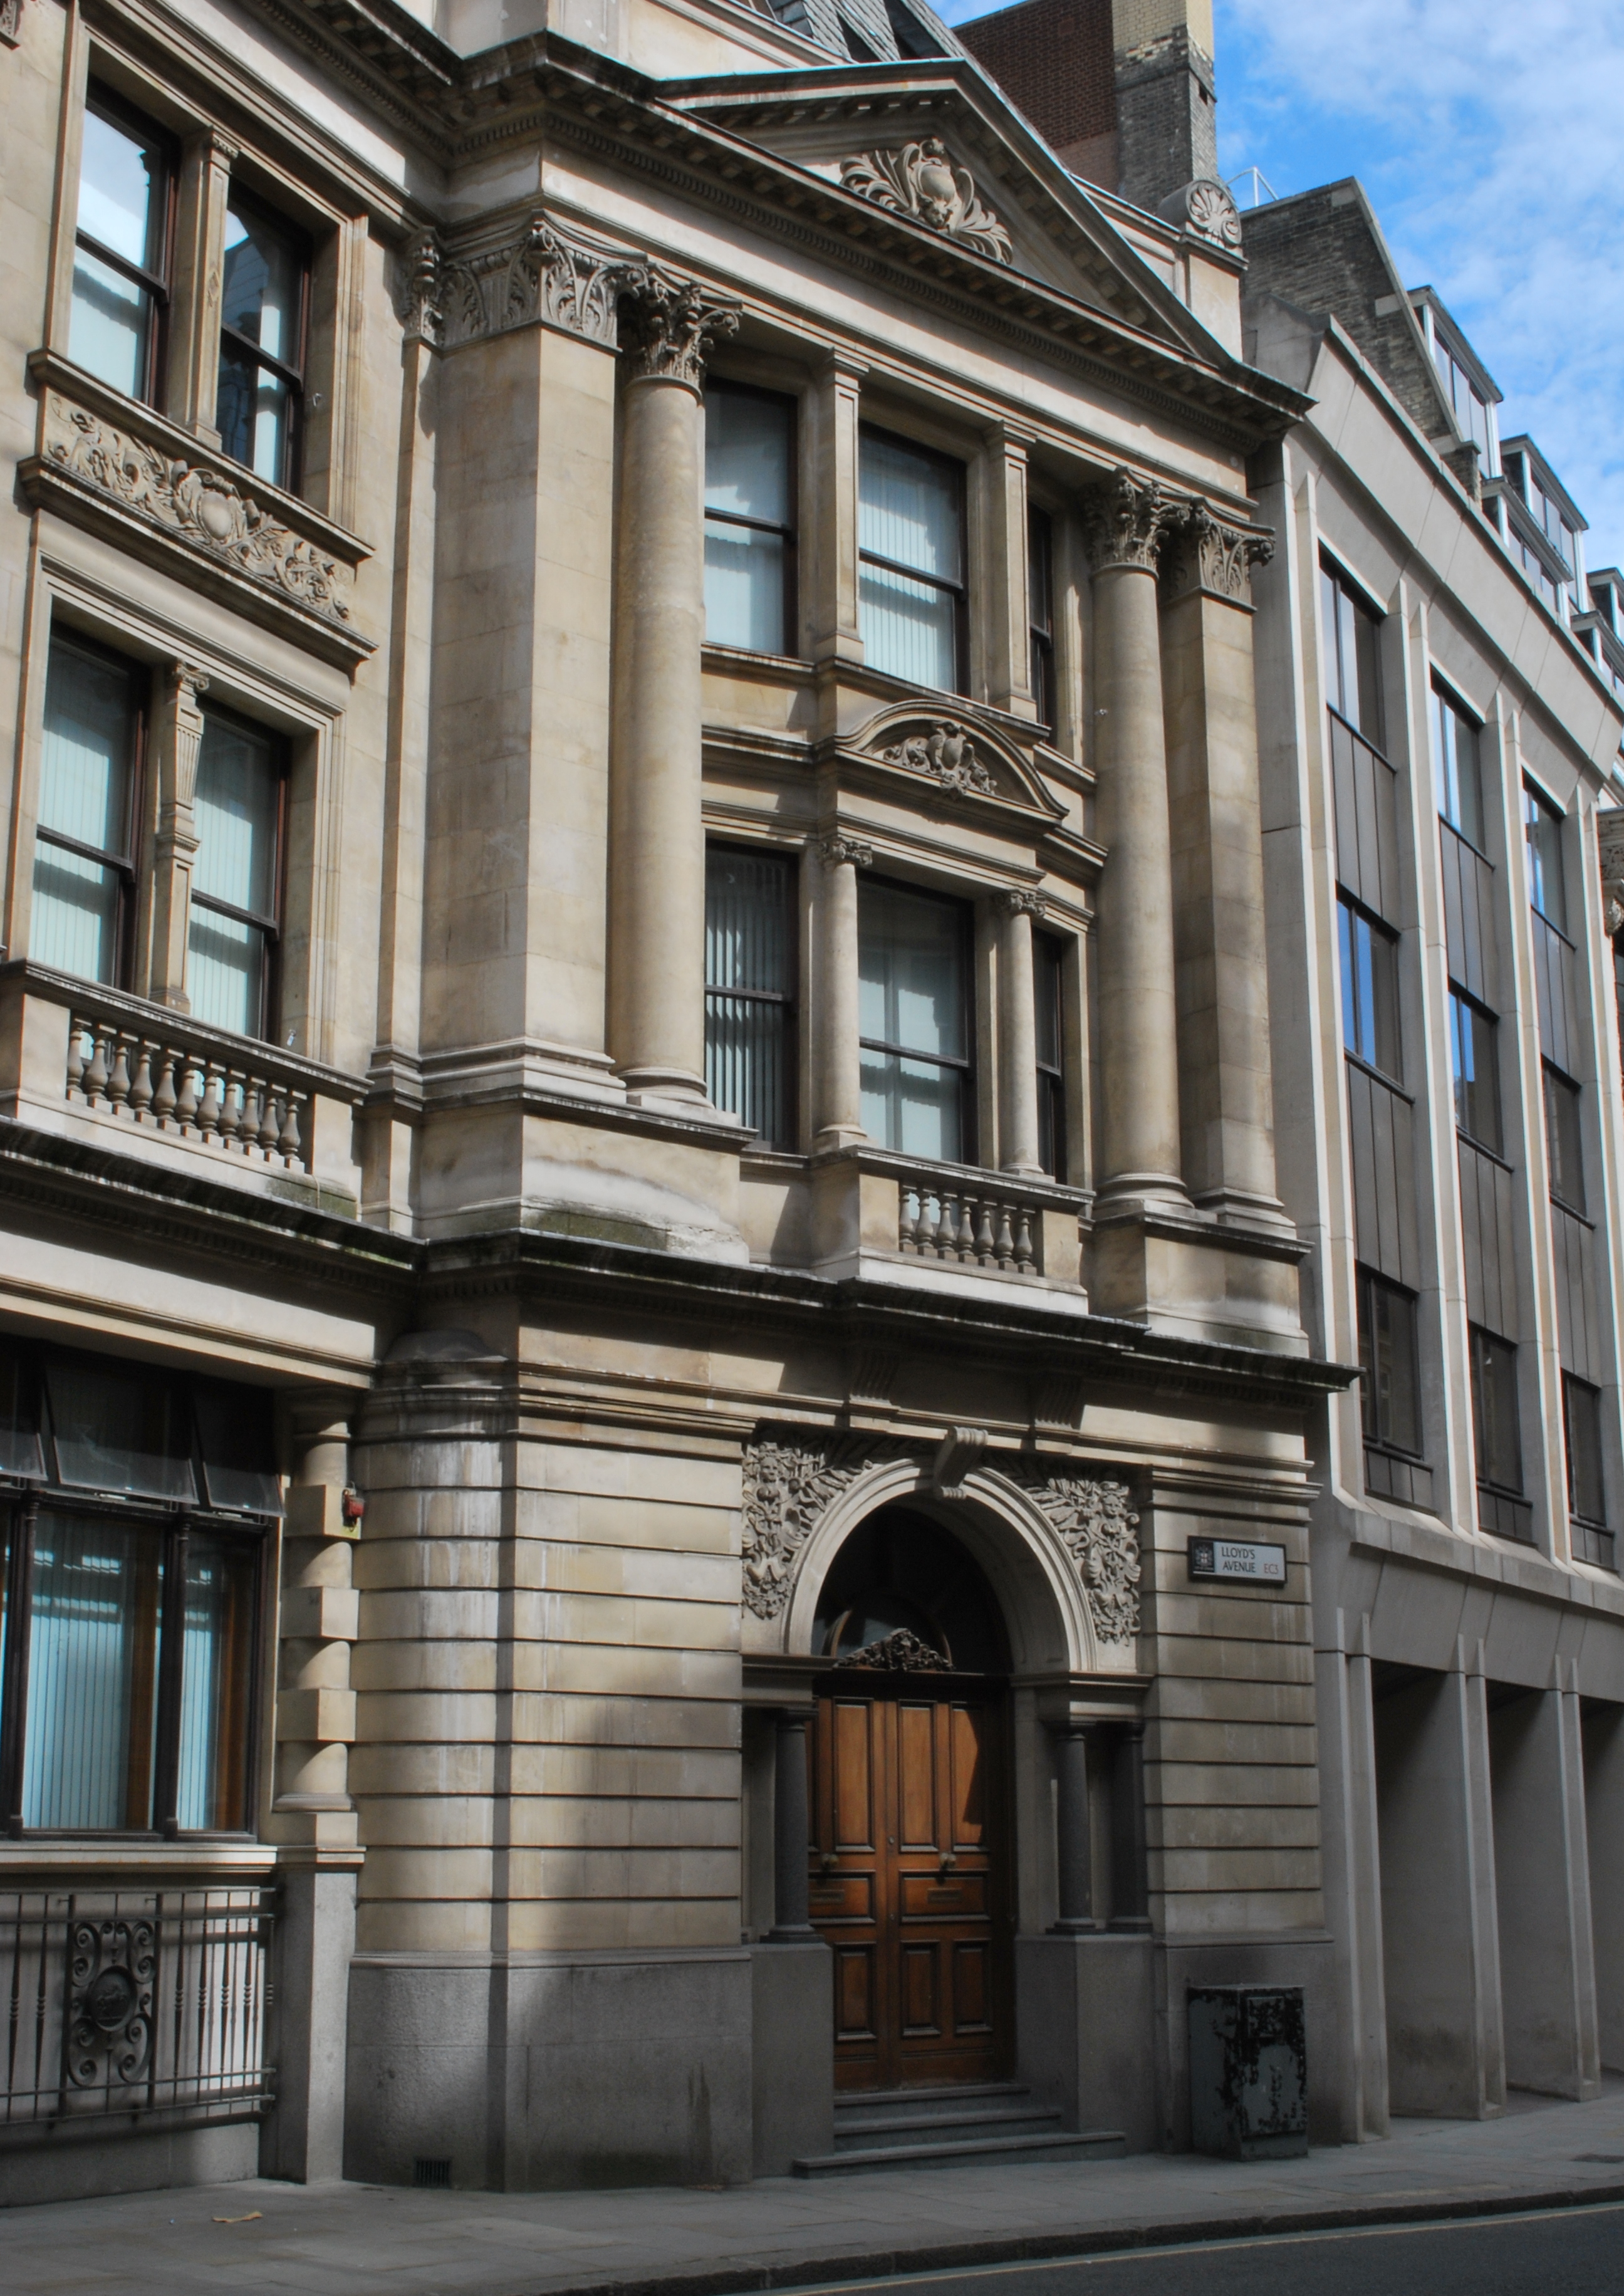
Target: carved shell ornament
x,y
921,181
1210,213
948,754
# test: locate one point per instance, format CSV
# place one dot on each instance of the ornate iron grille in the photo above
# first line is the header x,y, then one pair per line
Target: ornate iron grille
x,y
134,2001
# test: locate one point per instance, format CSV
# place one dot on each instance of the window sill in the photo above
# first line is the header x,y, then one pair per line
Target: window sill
x,y
63,1854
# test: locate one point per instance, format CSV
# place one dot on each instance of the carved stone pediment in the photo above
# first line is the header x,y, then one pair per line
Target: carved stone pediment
x,y
920,181
961,759
901,1653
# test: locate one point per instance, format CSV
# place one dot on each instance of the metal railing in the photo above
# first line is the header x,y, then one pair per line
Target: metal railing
x,y
134,2001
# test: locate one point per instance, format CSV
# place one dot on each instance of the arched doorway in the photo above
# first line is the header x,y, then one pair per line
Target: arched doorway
x,y
911,1881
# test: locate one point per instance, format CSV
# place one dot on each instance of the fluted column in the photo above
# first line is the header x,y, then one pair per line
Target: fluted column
x,y
1017,1033
1075,1862
657,841
178,735
840,1081
1139,1140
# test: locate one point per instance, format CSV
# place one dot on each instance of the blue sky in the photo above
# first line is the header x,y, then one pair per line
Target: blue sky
x,y
1488,134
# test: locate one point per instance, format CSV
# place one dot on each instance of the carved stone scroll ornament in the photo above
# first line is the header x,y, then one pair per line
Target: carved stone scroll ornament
x,y
197,504
1205,553
1206,209
669,327
1101,1532
786,1490
1127,520
1609,842
545,275
899,1653
948,754
921,181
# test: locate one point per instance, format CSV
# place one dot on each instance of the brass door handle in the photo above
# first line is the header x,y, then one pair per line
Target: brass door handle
x,y
949,1865
827,1863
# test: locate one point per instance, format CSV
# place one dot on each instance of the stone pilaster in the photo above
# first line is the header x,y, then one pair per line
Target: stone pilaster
x,y
1225,1090
840,1091
200,263
178,738
657,843
1139,1129
1018,1144
830,524
1006,666
316,1707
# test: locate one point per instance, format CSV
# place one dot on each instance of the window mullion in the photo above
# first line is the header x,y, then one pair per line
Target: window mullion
x,y
171,1657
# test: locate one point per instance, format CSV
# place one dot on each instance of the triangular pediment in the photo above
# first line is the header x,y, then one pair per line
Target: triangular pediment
x,y
935,149
950,751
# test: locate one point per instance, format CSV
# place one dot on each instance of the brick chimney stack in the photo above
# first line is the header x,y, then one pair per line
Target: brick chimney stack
x,y
1121,89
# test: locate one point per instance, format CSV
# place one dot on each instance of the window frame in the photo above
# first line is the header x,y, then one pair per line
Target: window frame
x,y
28,1499
1333,578
272,928
1444,698
1381,933
1459,997
958,591
1538,806
1040,628
788,1000
1050,948
127,865
107,105
1593,1528
1558,1090
1367,1282
789,534
289,481
969,1146
1481,1344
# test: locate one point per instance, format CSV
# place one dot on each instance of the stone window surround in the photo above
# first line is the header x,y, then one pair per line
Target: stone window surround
x,y
209,160
184,669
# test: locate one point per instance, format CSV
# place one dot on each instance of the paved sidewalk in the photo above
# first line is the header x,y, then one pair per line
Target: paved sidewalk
x,y
368,2239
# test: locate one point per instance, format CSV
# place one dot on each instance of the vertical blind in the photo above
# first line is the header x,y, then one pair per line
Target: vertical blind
x,y
86,769
749,495
748,1001
92,1673
909,516
234,878
912,1016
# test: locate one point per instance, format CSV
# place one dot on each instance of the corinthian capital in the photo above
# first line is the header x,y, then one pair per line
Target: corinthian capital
x,y
1019,901
1127,522
669,327
1209,553
837,850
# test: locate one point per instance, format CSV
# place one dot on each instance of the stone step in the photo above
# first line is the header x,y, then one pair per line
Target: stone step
x,y
867,2101
1089,2145
855,2133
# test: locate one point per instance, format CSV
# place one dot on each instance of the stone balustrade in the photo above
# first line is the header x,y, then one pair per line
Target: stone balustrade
x,y
997,1229
246,1108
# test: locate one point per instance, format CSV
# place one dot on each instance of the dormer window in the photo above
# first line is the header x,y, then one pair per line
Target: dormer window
x,y
1470,407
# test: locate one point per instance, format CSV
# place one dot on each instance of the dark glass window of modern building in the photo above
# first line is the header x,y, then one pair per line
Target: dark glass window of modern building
x,y
1475,1058
1389,1359
750,518
84,836
260,401
122,239
1587,1481
749,999
1458,769
1564,1139
1542,831
1353,665
1370,989
134,1506
911,569
1040,595
914,1020
1048,984
1496,1426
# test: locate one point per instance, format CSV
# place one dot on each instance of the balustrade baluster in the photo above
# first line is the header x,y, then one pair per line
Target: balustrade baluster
x,y
78,1055
265,1102
141,1083
119,1081
1025,1259
163,1093
905,1220
185,1105
95,1075
1004,1245
214,1089
983,1246
289,1145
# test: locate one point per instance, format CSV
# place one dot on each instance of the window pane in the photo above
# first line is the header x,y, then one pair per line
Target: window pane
x,y
234,1434
225,968
119,1431
1496,1434
75,924
747,947
212,1775
1048,957
264,277
908,508
1582,1409
1370,992
254,410
1473,1052
92,1652
1389,1397
1543,830
85,763
748,442
1564,1140
909,630
914,1106
109,324
121,191
1460,798
745,588
238,787
911,971
19,1448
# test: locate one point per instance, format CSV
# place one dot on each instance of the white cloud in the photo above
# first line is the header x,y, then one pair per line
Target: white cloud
x,y
1489,137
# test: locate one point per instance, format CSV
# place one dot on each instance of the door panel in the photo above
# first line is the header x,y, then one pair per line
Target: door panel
x,y
909,1882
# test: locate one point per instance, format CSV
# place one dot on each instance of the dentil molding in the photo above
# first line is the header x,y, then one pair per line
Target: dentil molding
x,y
920,181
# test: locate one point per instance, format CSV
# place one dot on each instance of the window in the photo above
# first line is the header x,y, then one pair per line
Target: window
x,y
910,543
1587,1489
127,1693
1542,828
122,249
1370,988
749,994
1538,573
1564,1140
84,857
1048,961
1474,1056
1389,1382
1458,768
262,342
1352,656
1040,606
1494,1418
914,1020
750,518
236,891
1471,407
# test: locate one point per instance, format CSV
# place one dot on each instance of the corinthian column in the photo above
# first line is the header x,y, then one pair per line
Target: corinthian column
x,y
1139,1141
1017,1033
839,1082
657,841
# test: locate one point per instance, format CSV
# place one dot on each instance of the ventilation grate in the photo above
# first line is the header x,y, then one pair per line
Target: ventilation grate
x,y
431,2176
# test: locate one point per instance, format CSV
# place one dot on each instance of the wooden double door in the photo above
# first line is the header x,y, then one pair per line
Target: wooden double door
x,y
909,1882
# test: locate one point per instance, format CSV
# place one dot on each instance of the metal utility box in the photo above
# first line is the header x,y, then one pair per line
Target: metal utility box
x,y
1249,2075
